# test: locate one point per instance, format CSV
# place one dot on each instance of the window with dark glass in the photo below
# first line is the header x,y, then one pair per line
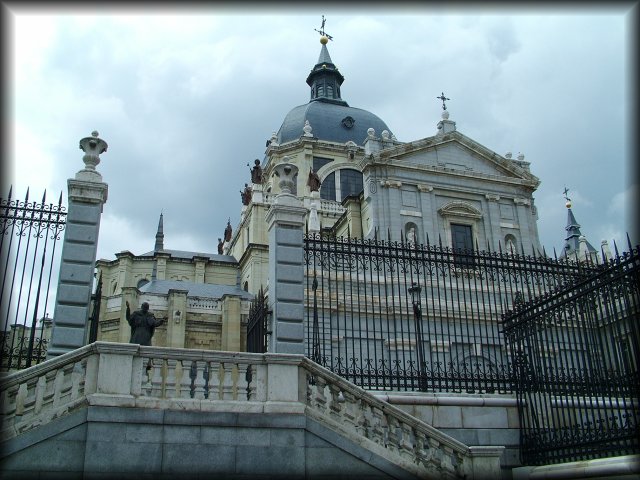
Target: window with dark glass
x,y
350,183
462,243
319,162
328,187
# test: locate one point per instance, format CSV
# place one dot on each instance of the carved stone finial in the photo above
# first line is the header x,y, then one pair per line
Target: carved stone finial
x,y
385,135
508,155
286,172
371,133
92,147
445,114
307,129
520,156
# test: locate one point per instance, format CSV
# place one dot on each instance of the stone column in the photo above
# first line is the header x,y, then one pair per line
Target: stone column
x,y
177,318
87,195
231,331
285,220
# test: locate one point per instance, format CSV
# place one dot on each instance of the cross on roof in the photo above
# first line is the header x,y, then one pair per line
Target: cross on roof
x,y
321,31
443,98
566,190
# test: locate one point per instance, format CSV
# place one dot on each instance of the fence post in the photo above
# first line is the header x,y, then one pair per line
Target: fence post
x,y
87,195
285,219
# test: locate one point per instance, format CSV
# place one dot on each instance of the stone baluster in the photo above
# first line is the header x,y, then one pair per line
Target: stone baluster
x,y
319,399
393,439
41,388
157,376
183,382
447,459
335,406
206,376
349,412
235,377
406,441
77,379
21,398
170,379
57,387
200,380
242,383
221,380
378,426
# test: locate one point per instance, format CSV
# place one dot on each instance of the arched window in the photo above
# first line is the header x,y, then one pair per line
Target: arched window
x,y
328,187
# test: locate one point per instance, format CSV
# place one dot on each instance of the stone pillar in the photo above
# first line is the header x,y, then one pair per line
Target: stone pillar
x,y
285,220
87,195
230,340
177,318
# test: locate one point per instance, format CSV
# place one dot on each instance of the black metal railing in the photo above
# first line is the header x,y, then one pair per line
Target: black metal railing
x,y
576,354
29,232
397,316
258,324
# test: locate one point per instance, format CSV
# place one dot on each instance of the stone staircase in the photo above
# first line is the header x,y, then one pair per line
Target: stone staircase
x,y
200,394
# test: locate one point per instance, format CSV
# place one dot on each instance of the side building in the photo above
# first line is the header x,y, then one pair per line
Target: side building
x,y
197,294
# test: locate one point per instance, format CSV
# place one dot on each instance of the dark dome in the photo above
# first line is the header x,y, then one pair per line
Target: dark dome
x,y
331,122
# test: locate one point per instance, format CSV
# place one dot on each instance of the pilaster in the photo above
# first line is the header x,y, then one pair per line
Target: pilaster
x,y
87,195
230,323
176,318
285,220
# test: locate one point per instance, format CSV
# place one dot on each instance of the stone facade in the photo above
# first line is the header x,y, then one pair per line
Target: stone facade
x,y
197,295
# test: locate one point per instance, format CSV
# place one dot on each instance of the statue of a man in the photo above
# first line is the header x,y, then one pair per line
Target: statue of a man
x,y
143,324
220,246
256,172
227,232
314,181
246,195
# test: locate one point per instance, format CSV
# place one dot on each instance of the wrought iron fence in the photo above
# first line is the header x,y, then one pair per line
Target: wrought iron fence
x,y
29,235
397,316
258,324
576,354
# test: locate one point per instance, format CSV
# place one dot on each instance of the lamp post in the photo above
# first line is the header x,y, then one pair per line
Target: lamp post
x,y
414,291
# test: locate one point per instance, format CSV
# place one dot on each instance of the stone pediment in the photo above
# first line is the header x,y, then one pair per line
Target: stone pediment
x,y
460,209
455,152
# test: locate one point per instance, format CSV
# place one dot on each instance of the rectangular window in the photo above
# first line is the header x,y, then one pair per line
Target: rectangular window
x,y
350,183
462,243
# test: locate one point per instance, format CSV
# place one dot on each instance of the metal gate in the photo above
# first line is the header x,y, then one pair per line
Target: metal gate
x,y
576,354
30,231
258,324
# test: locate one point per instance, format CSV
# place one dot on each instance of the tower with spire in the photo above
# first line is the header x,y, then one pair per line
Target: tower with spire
x,y
576,246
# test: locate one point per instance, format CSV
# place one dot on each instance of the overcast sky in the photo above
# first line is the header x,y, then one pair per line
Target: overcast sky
x,y
185,98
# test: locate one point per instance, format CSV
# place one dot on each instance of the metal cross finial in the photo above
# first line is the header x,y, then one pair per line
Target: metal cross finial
x,y
566,190
443,98
321,31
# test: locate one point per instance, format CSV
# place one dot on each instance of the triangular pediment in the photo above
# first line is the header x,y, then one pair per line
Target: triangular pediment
x,y
455,152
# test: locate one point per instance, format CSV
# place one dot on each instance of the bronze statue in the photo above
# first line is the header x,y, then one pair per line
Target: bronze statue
x,y
314,181
220,245
256,172
246,194
143,324
227,232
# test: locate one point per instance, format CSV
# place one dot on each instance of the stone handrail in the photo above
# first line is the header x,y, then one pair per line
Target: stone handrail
x,y
128,375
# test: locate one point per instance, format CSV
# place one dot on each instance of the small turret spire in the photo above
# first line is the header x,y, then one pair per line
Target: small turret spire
x,y
159,236
325,79
573,239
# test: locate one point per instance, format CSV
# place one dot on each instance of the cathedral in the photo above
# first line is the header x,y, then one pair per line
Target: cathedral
x,y
356,179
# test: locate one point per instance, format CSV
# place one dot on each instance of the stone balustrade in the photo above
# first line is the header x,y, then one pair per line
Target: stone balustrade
x,y
128,375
